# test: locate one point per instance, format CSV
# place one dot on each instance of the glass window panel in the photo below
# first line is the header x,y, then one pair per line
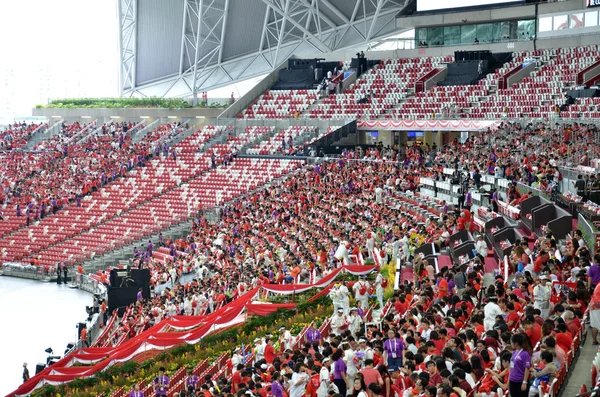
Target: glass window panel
x,y
560,22
504,31
591,18
545,24
576,20
468,34
484,32
452,35
525,29
435,37
497,32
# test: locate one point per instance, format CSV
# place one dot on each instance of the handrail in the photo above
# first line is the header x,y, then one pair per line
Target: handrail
x,y
36,131
145,130
82,132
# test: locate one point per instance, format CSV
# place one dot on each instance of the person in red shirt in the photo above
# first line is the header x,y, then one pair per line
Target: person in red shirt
x,y
434,375
269,351
563,339
533,331
513,317
236,378
400,305
573,325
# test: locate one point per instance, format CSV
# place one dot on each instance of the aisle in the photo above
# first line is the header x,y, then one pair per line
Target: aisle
x,y
581,372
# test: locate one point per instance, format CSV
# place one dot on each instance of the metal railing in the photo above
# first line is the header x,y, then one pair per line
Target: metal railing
x,y
523,188
141,133
88,284
23,270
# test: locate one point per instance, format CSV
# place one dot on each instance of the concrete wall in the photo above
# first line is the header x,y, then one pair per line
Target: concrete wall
x,y
515,78
487,15
195,115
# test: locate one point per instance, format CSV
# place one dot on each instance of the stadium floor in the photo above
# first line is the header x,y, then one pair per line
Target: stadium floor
x,y
35,316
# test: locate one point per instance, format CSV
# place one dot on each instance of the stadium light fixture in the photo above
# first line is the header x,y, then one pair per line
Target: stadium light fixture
x,y
115,117
86,117
171,117
56,117
144,117
200,117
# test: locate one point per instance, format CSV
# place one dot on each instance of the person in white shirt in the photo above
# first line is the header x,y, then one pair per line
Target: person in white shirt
x,y
338,322
335,296
345,298
286,337
541,296
299,380
379,290
355,321
259,351
323,390
481,246
491,310
379,195
361,293
187,306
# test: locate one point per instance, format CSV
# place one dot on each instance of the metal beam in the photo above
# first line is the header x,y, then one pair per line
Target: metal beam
x,y
223,29
183,39
127,10
317,42
196,53
203,40
380,4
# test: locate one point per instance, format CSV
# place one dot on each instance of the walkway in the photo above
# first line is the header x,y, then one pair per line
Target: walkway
x,y
581,373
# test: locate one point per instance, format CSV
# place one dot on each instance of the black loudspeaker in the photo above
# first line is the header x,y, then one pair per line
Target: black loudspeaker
x,y
141,277
125,296
39,368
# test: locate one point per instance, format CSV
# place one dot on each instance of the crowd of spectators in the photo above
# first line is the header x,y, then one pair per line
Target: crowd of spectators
x,y
43,181
15,136
447,334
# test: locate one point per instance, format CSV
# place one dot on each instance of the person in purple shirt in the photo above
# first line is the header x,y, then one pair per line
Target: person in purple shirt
x,y
136,392
394,349
191,383
150,247
339,371
313,335
161,383
276,388
520,363
139,295
594,273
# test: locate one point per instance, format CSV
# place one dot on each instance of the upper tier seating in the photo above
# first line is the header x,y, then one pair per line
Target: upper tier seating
x,y
280,104
381,88
558,70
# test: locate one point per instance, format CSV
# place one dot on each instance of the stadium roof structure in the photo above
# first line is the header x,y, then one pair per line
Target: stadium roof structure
x,y
175,48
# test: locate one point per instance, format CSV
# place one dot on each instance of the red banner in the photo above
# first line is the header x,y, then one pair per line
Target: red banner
x,y
168,333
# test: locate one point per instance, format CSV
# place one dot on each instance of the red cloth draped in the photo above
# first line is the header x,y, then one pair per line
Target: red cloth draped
x,y
159,336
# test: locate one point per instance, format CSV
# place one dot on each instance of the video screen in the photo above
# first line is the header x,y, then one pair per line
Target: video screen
x,y
431,5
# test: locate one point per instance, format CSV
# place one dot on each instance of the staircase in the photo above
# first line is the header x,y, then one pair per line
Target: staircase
x,y
43,135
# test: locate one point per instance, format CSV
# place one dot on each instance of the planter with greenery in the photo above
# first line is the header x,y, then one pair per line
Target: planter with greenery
x,y
124,103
